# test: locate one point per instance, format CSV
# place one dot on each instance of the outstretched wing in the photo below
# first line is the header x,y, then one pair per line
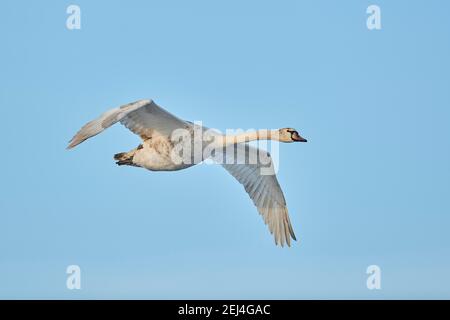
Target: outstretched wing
x,y
259,180
142,117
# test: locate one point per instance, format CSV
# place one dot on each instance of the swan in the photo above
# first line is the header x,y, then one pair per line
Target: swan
x,y
156,126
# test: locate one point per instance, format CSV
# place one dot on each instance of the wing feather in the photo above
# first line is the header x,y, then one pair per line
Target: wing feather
x,y
142,117
266,194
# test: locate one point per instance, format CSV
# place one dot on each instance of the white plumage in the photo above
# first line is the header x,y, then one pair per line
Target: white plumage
x,y
155,126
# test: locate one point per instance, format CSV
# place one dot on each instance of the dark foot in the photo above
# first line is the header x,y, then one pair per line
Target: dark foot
x,y
120,156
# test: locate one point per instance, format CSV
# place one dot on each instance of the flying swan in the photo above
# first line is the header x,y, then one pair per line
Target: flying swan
x,y
156,126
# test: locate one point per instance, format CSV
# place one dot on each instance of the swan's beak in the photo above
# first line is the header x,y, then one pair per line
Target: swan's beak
x,y
297,137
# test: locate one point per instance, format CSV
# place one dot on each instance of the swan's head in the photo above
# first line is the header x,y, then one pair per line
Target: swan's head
x,y
290,135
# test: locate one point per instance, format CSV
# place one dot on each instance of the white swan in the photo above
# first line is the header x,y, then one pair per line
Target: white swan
x,y
155,126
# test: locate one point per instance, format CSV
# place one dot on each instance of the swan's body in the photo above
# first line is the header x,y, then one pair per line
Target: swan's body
x,y
153,154
155,126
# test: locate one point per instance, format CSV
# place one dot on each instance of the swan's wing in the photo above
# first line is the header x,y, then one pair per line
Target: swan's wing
x,y
142,117
260,182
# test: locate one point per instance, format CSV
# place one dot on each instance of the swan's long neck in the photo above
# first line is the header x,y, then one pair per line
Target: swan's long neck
x,y
250,136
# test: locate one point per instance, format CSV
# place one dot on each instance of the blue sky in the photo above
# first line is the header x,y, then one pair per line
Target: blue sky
x,y
370,187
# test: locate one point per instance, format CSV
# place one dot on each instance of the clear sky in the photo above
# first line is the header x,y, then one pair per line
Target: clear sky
x,y
371,186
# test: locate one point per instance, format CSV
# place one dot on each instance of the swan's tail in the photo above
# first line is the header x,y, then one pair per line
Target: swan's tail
x,y
124,158
120,156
